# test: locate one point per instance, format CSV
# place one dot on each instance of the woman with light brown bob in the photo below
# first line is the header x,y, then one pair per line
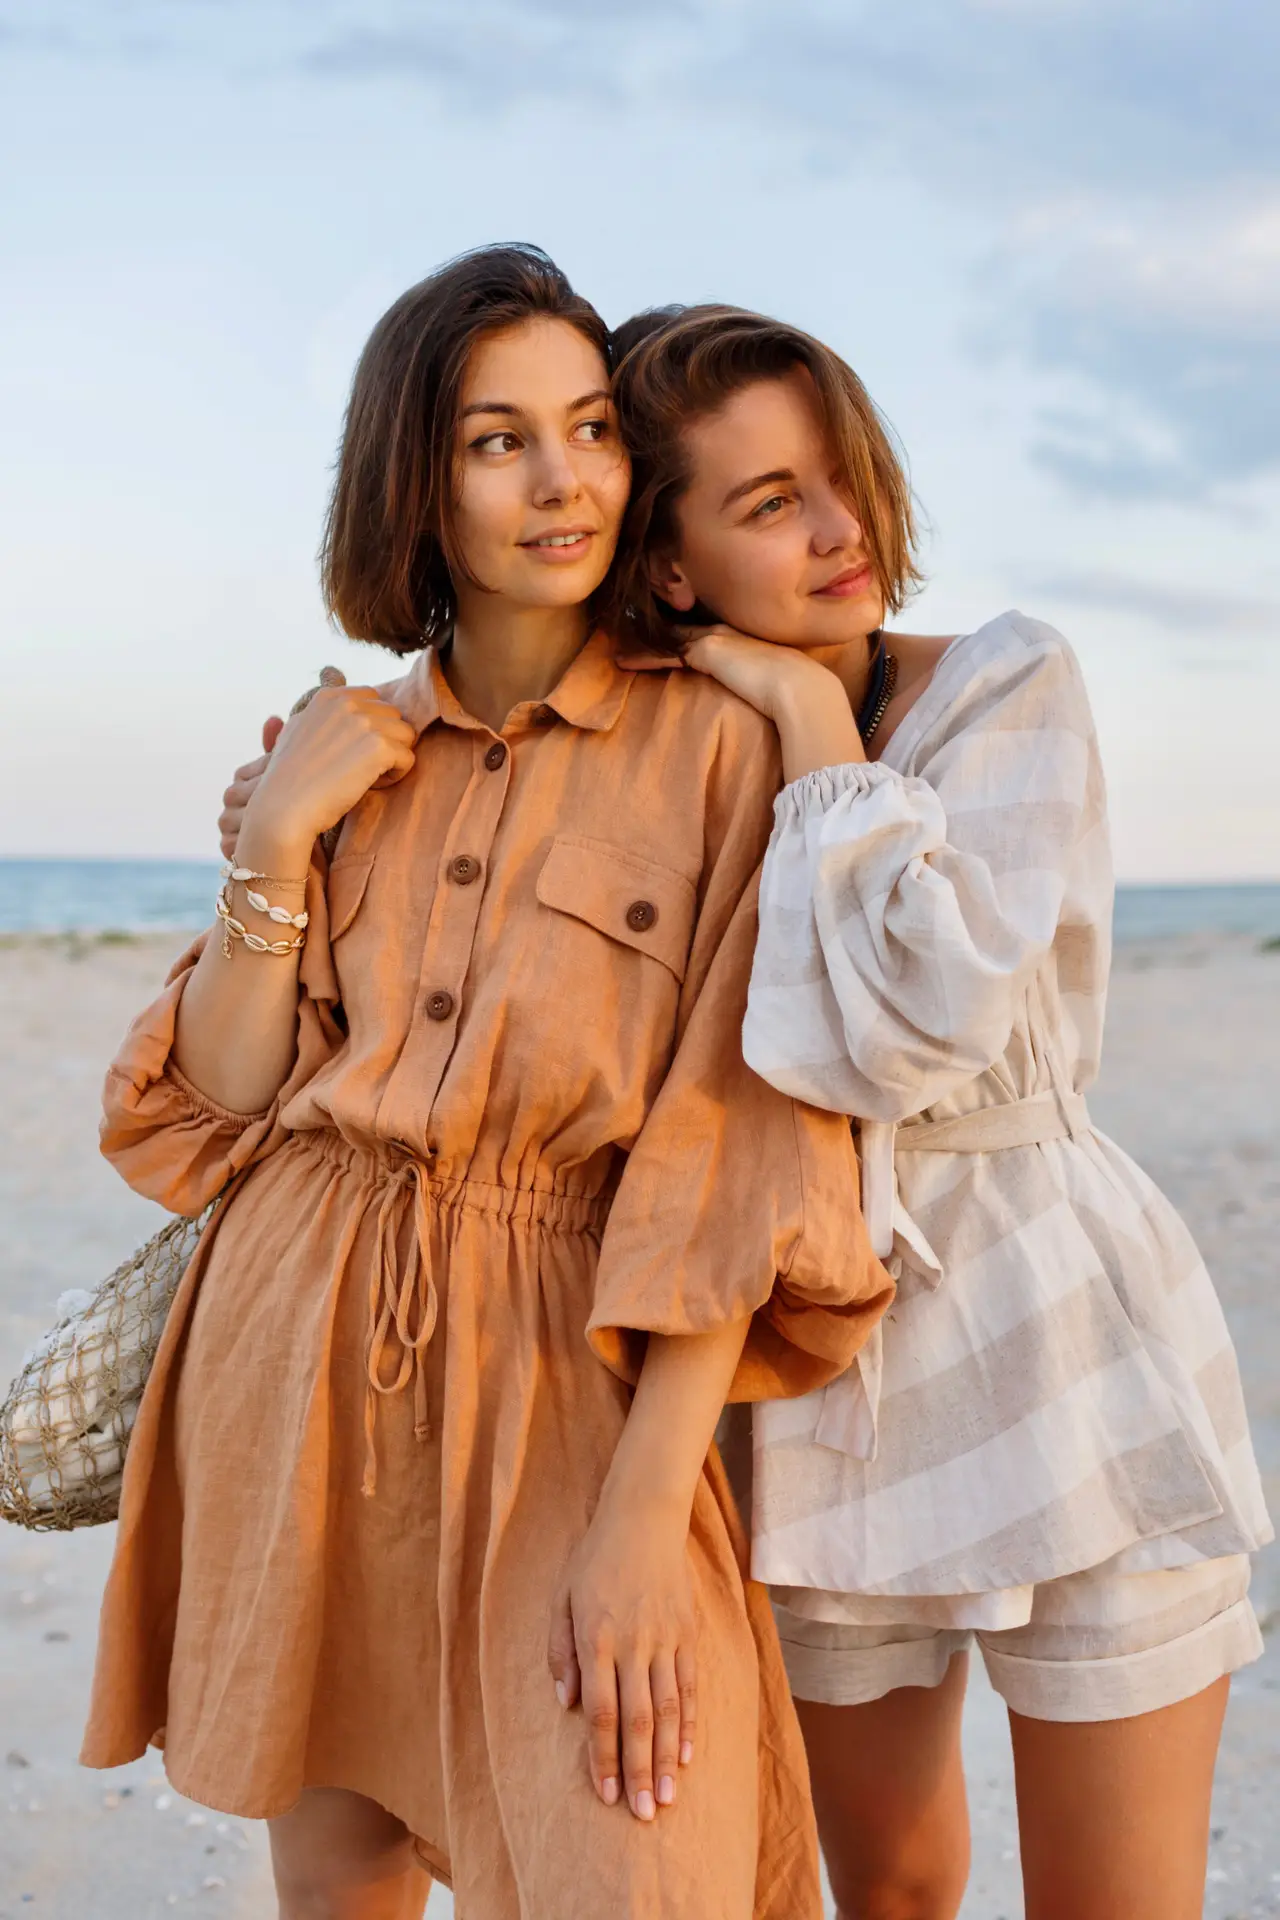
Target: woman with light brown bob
x,y
505,1216
1044,1446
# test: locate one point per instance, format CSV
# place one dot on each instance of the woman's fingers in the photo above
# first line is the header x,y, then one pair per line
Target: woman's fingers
x,y
562,1654
250,773
687,1683
600,1705
635,1702
664,1691
272,728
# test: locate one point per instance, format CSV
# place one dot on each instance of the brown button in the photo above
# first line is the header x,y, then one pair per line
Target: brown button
x,y
463,870
641,915
439,1005
544,716
496,756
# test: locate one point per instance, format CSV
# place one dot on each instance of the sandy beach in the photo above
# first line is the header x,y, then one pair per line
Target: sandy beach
x,y
1192,1089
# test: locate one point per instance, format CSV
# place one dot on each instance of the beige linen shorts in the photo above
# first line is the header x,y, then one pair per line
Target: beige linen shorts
x,y
1099,1645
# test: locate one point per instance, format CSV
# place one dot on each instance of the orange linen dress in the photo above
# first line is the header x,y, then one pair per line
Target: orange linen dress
x,y
519,1135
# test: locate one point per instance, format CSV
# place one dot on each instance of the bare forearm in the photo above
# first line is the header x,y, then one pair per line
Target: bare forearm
x,y
679,1398
238,1020
815,729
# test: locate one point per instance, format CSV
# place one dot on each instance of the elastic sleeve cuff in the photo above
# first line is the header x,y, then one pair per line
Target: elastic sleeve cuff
x,y
207,1109
816,793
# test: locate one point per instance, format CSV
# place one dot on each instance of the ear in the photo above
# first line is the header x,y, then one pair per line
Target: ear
x,y
671,583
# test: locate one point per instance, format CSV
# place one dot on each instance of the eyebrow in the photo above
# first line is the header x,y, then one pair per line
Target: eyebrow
x,y
509,407
741,491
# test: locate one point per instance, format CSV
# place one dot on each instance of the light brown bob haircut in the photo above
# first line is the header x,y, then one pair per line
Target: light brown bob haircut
x,y
678,365
389,556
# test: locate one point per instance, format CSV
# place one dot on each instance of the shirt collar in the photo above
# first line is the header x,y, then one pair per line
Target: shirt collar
x,y
591,692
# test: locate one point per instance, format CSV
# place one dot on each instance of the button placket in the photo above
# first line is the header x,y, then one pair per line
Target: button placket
x,y
451,929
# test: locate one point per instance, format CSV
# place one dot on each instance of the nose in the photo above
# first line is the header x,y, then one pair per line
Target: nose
x,y
835,524
555,477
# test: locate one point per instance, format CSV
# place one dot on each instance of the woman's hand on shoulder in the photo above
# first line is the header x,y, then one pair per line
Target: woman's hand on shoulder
x,y
766,676
805,700
324,760
623,1644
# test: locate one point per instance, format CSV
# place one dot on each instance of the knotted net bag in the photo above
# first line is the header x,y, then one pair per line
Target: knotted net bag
x,y
65,1425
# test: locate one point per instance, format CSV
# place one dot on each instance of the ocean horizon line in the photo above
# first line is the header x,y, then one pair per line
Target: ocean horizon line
x,y
97,897
213,861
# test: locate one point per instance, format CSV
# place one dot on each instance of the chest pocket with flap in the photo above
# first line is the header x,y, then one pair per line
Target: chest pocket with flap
x,y
629,899
345,890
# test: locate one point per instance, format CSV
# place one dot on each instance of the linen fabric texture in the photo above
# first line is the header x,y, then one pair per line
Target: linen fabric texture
x,y
1055,1386
519,1137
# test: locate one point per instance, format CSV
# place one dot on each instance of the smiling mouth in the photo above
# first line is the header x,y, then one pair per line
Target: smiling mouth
x,y
560,539
852,581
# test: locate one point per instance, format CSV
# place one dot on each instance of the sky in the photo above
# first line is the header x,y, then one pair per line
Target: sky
x,y
1045,232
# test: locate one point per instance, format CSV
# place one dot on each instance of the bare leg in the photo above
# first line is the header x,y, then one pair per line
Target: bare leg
x,y
888,1786
1114,1814
338,1856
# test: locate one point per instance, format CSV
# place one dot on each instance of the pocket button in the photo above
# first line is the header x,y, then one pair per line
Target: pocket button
x,y
641,915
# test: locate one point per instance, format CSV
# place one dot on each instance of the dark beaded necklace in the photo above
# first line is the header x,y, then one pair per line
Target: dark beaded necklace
x,y
881,683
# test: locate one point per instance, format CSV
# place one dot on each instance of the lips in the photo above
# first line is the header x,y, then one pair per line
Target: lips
x,y
845,585
559,539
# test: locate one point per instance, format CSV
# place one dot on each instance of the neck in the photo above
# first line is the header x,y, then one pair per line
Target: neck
x,y
503,655
850,662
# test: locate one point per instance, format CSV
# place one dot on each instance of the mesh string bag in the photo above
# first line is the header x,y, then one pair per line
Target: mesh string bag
x,y
65,1424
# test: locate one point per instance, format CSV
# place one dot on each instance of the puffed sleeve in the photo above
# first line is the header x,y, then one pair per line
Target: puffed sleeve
x,y
736,1199
901,918
163,1136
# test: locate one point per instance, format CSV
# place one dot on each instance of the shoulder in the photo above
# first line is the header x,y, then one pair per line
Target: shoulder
x,y
1015,667
1009,644
698,709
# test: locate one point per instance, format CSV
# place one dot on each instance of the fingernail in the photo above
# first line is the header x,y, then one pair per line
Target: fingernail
x,y
562,1693
644,1804
666,1790
686,1752
609,1792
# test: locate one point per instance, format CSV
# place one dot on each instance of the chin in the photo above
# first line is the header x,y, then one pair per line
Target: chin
x,y
565,590
844,620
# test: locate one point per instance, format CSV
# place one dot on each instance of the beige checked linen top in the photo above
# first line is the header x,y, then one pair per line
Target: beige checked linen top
x,y
1055,1384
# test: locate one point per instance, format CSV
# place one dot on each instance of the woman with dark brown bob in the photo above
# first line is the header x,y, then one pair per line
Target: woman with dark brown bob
x,y
505,1217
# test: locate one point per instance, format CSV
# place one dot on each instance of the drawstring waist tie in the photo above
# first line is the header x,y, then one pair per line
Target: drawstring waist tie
x,y
407,1301
403,1300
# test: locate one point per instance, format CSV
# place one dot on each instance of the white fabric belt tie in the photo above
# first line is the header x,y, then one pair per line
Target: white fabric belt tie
x,y
1014,1123
851,1404
1011,1123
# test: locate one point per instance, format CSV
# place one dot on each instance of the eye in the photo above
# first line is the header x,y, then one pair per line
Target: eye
x,y
503,441
593,431
767,508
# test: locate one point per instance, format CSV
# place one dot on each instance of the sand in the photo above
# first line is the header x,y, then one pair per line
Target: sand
x,y
1192,1088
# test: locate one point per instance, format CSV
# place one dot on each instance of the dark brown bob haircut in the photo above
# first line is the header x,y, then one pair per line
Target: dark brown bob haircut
x,y
678,365
389,556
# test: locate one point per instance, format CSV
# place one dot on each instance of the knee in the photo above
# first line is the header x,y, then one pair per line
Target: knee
x,y
317,1892
902,1890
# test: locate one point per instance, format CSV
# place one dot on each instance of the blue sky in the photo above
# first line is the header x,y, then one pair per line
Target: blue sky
x,y
1046,232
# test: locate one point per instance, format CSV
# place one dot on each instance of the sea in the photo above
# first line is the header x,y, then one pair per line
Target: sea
x,y
164,896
